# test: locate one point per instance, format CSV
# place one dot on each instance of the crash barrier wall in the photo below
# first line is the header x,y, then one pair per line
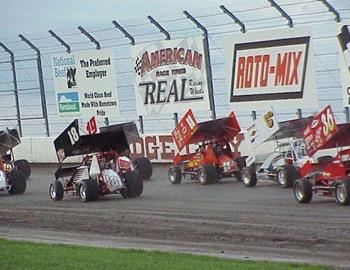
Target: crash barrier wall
x,y
33,77
159,148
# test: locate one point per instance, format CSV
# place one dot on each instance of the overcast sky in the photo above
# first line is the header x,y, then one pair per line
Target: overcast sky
x,y
33,16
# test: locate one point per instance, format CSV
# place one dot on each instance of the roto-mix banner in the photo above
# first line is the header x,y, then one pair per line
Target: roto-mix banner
x,y
85,84
270,68
344,60
170,76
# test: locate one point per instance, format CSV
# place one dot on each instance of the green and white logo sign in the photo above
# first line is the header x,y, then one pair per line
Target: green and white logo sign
x,y
68,102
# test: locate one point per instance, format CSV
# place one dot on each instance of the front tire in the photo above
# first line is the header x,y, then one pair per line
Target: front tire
x,y
56,191
303,190
134,185
249,176
23,166
207,175
287,176
342,192
241,163
174,175
18,182
89,190
144,167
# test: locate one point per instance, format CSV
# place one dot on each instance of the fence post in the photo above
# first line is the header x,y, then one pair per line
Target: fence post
x,y
15,87
233,17
41,82
331,9
347,114
208,64
60,40
299,113
90,37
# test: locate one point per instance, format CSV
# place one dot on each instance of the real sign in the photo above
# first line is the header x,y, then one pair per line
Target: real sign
x,y
170,76
85,84
270,69
344,60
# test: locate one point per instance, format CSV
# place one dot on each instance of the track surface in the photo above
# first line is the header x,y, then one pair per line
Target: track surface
x,y
225,219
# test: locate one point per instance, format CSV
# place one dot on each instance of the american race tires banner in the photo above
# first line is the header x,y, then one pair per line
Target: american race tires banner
x,y
170,76
85,84
344,61
270,68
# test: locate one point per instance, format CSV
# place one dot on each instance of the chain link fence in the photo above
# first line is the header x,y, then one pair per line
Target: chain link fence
x,y
27,98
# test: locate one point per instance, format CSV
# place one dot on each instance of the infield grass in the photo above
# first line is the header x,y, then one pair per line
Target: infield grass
x,y
27,255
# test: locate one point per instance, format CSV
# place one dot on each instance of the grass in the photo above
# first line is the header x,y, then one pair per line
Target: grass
x,y
27,255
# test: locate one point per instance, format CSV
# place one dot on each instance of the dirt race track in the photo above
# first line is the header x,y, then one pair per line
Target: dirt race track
x,y
226,219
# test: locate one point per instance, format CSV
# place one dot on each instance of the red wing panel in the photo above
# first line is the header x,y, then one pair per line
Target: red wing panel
x,y
320,131
189,132
184,130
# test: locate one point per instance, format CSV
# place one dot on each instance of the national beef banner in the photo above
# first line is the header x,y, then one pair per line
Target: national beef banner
x,y
85,84
170,76
270,68
344,61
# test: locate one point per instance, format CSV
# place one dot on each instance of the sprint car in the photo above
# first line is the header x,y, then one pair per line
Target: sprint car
x,y
282,165
213,159
106,166
330,175
12,179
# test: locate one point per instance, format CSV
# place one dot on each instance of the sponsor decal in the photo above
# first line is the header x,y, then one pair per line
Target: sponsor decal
x,y
68,102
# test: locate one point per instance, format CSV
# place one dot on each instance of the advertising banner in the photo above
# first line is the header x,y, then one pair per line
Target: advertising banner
x,y
344,61
270,68
85,84
170,76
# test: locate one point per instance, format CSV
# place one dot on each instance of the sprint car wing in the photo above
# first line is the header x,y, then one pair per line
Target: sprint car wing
x,y
290,129
9,138
188,131
116,137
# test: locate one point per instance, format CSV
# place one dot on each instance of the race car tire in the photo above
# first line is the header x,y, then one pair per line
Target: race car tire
x,y
134,185
207,174
23,166
89,190
303,190
249,177
144,167
287,175
17,181
342,192
175,175
241,163
56,191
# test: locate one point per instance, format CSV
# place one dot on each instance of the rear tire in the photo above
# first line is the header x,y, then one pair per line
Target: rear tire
x,y
144,167
56,191
241,163
249,176
287,176
17,181
89,190
23,166
207,175
134,185
303,190
175,175
342,192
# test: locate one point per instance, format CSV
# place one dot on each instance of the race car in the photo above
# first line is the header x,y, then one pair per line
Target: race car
x,y
12,178
330,175
106,166
282,165
213,159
